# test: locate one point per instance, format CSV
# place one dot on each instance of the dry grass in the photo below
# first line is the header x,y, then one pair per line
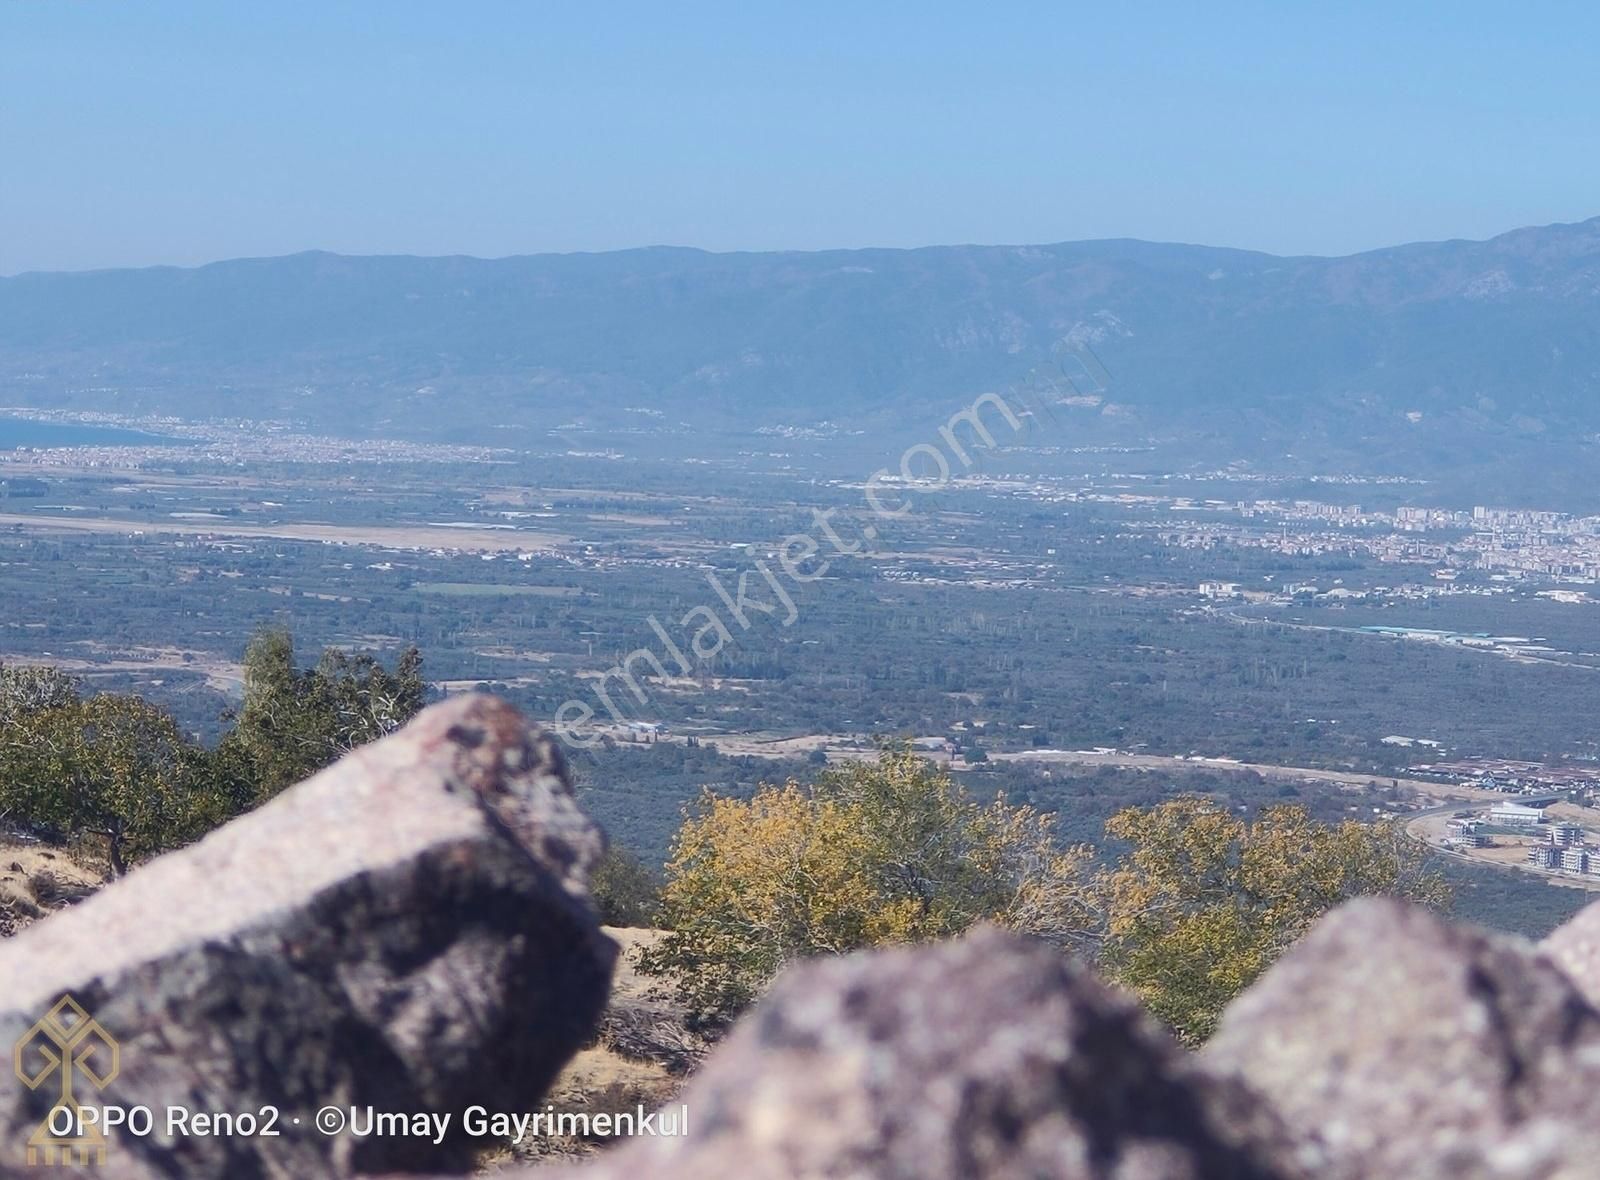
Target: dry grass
x,y
36,880
638,1059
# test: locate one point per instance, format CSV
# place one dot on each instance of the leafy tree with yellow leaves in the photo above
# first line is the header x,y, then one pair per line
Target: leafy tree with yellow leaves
x,y
1203,901
1198,904
887,852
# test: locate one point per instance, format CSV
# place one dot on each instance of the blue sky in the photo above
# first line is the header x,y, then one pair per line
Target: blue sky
x,y
159,132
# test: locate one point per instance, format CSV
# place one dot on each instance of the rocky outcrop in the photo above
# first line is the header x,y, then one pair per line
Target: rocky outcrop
x,y
410,933
987,1058
1402,1046
1388,1043
409,930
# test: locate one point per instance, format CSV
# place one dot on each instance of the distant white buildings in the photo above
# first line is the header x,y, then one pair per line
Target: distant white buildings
x,y
1516,815
1468,833
1567,835
1567,850
1399,739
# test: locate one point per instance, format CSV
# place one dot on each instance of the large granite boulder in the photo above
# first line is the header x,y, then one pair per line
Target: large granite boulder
x,y
408,931
1403,1046
990,1058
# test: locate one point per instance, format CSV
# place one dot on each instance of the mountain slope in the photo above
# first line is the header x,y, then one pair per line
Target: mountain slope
x,y
1500,338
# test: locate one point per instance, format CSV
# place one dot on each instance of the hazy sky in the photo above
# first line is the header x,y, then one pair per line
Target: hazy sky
x,y
148,132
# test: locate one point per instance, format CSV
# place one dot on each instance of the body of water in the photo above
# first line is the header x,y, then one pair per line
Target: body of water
x,y
29,432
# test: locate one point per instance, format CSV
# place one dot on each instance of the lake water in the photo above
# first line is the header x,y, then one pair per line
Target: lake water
x,y
28,432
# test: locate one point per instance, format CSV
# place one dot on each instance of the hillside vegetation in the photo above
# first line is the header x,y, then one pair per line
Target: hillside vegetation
x,y
1196,908
115,773
1185,901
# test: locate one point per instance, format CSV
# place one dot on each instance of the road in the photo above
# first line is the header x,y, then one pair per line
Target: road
x,y
1341,778
1515,655
406,536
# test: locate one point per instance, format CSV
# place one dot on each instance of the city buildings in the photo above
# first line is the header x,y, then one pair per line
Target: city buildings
x,y
1515,815
1567,835
1567,850
1544,856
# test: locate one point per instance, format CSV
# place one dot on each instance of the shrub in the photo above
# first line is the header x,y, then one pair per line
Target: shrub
x,y
112,767
624,889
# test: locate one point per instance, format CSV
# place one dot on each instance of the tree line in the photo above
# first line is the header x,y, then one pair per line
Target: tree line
x,y
1185,904
114,769
1193,906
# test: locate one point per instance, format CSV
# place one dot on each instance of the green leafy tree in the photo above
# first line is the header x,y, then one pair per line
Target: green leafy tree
x,y
365,701
624,889
274,737
112,767
294,722
116,768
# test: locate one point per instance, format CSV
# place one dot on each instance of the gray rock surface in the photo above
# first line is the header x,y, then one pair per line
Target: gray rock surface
x,y
408,930
1575,948
1403,1046
990,1058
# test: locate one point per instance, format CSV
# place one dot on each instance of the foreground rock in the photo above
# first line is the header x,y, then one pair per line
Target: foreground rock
x,y
984,1059
1406,1047
409,930
1575,948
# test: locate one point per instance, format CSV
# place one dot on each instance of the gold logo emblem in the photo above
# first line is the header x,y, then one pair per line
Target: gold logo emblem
x,y
65,1046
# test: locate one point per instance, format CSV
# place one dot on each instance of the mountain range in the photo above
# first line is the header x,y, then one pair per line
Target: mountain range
x,y
1436,348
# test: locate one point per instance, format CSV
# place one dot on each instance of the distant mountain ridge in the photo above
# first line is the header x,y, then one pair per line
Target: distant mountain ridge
x,y
1481,340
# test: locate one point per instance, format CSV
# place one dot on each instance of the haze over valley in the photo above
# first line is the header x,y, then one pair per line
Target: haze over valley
x,y
1463,361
